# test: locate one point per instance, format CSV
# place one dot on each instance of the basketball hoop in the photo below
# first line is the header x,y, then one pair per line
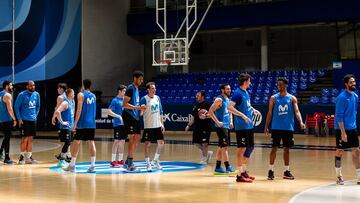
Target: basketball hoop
x,y
165,62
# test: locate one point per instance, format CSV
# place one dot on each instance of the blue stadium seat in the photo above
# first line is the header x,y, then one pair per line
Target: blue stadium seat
x,y
325,92
314,100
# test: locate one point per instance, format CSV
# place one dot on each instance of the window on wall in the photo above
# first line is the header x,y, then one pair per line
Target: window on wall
x,y
349,40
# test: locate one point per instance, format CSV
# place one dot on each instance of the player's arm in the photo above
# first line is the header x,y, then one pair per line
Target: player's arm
x,y
7,99
127,98
161,115
59,101
339,115
191,119
231,121
17,107
57,114
269,114
297,112
234,111
216,105
80,98
38,104
111,110
143,104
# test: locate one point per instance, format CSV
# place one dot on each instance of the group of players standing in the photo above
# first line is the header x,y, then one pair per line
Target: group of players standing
x,y
127,107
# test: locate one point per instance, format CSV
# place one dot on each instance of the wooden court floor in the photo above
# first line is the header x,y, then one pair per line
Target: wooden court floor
x,y
36,183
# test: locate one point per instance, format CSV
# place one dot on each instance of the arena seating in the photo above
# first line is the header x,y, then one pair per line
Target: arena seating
x,y
181,88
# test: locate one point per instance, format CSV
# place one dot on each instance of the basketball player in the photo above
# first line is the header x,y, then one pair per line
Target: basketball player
x,y
153,125
61,88
7,119
220,112
65,115
202,127
345,127
116,110
282,107
131,116
84,126
244,130
27,107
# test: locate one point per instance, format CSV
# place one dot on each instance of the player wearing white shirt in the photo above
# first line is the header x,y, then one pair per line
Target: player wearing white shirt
x,y
153,125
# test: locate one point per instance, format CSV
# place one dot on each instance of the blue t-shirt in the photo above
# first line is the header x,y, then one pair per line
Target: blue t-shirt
x,y
68,115
4,113
283,114
88,111
133,93
346,109
223,114
27,106
116,106
242,103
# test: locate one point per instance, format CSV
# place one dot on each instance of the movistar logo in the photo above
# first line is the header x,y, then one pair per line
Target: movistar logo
x,y
32,104
90,100
154,107
283,109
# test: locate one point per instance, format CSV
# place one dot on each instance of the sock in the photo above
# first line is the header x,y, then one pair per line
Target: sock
x,y
156,157
62,155
121,155
147,160
338,166
113,157
93,158
28,155
22,154
226,163
244,166
130,161
338,172
271,167
358,172
73,161
240,170
218,164
286,168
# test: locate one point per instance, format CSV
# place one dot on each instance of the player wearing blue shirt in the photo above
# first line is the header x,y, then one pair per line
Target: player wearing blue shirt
x,y
244,130
65,114
282,108
116,110
345,127
27,107
131,116
221,113
84,126
7,120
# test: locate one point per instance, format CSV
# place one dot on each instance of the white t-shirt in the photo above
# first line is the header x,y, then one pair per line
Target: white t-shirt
x,y
153,112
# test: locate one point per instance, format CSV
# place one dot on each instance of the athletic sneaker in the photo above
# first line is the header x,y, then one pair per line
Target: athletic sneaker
x,y
132,168
340,180
246,175
9,161
148,167
69,168
209,155
31,161
121,162
62,163
114,164
271,175
68,159
91,169
358,180
203,161
58,157
156,163
230,169
219,171
288,175
21,160
242,179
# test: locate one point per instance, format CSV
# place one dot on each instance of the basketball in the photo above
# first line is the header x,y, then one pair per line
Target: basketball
x,y
202,114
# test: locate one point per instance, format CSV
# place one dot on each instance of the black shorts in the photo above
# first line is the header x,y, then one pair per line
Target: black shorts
x,y
85,134
287,137
201,136
65,135
223,135
7,127
132,126
245,138
352,139
28,129
152,134
120,133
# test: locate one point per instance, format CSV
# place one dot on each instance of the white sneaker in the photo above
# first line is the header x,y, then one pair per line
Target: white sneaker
x,y
69,168
157,164
91,169
203,160
148,167
209,155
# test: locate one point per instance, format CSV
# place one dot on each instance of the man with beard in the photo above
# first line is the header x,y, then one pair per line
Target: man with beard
x,y
345,127
7,119
27,107
202,127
